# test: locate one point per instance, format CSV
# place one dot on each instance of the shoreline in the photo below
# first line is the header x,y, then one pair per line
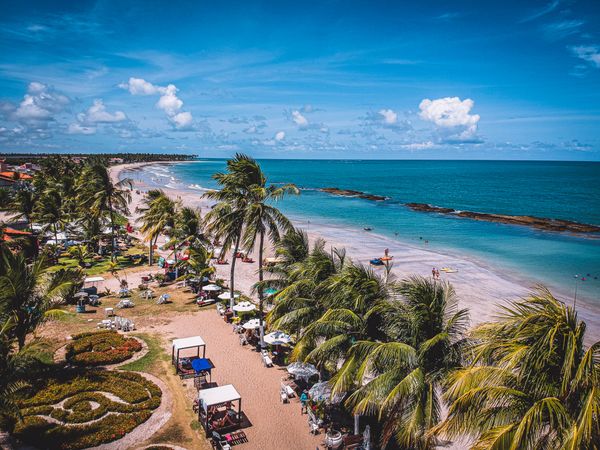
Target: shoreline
x,y
479,286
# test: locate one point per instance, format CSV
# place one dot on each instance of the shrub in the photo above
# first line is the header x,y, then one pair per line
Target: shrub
x,y
101,348
84,426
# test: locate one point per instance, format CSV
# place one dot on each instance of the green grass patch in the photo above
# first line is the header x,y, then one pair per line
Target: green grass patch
x,y
148,362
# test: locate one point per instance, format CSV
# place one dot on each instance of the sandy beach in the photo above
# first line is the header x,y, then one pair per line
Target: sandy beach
x,y
478,287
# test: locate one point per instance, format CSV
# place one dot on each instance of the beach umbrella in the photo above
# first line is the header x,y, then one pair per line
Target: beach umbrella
x,y
302,370
277,338
322,392
252,324
244,307
81,294
227,296
211,287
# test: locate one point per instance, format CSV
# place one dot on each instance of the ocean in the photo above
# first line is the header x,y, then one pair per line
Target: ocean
x,y
560,190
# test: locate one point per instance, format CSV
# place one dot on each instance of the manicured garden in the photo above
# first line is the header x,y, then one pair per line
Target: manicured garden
x,y
91,407
101,348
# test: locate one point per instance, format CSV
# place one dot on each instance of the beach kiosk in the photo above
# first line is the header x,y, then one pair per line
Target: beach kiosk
x,y
183,344
217,406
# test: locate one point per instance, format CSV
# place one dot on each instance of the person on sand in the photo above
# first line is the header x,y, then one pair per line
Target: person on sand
x,y
433,272
303,401
386,251
437,274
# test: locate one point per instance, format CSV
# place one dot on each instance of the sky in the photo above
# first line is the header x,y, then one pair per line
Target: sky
x,y
325,79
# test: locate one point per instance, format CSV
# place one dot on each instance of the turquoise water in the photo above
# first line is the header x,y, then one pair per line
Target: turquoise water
x,y
566,190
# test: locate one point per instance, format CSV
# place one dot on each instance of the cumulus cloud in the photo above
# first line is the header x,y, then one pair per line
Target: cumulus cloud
x,y
419,145
589,53
39,104
280,135
97,113
389,116
452,117
299,119
168,101
77,128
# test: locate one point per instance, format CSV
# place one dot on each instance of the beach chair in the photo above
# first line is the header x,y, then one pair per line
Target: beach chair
x,y
283,394
220,309
266,359
163,299
243,340
219,442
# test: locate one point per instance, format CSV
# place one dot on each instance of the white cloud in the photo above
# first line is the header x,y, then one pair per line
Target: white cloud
x,y
389,116
77,128
299,119
168,101
451,116
182,120
139,86
419,145
280,135
40,103
589,53
97,113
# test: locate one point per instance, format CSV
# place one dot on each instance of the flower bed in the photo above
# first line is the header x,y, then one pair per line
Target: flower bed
x,y
93,407
101,348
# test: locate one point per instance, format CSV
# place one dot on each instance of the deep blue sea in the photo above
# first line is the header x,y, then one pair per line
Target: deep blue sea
x,y
565,190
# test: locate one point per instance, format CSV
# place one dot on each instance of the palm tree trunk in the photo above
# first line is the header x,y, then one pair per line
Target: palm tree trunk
x,y
260,287
232,275
112,230
152,244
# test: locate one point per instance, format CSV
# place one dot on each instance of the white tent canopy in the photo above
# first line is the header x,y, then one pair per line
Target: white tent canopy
x,y
218,395
227,296
252,324
184,343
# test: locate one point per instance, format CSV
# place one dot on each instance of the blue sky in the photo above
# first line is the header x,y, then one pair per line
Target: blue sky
x,y
326,79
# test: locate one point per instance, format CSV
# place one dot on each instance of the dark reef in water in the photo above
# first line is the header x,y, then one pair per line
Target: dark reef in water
x,y
351,193
557,225
540,223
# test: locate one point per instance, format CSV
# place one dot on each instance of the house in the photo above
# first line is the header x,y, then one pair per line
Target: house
x,y
11,179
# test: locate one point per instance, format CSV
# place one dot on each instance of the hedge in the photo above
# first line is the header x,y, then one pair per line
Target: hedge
x,y
101,348
85,424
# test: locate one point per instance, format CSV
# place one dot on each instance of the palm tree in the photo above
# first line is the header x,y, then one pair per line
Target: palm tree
x,y
531,383
28,292
12,365
157,214
353,305
80,253
98,194
22,204
187,230
261,218
49,210
400,378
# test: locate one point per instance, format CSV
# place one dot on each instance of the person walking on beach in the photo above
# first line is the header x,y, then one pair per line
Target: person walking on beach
x,y
437,274
433,272
304,402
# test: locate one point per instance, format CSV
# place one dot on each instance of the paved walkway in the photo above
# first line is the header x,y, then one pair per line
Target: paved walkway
x,y
274,425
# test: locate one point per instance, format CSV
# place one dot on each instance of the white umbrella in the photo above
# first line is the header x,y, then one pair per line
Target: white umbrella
x,y
252,324
322,392
244,307
227,296
277,338
302,370
211,287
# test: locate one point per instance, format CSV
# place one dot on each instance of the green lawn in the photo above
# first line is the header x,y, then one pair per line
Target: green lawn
x,y
97,267
148,361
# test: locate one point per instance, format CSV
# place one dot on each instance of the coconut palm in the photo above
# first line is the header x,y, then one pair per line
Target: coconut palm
x,y
261,219
531,384
29,292
399,379
21,204
354,302
50,210
157,215
12,365
186,231
99,195
80,253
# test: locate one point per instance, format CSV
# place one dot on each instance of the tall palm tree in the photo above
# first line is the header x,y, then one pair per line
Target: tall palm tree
x,y
50,210
531,383
157,214
29,292
261,217
22,204
98,194
12,365
400,378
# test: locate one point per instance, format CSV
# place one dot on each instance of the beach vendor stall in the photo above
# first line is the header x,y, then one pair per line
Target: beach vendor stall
x,y
216,410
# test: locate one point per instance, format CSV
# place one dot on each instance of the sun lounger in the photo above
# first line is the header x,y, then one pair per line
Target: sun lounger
x,y
266,359
283,395
243,340
220,309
